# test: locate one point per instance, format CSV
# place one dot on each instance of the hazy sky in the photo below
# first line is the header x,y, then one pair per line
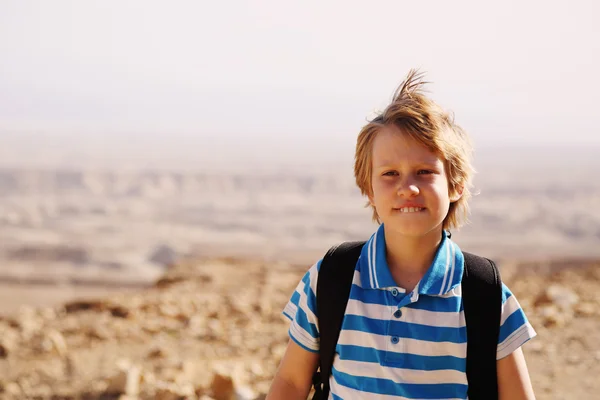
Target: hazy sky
x,y
187,77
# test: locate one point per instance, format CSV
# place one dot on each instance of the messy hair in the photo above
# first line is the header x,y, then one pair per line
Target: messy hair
x,y
423,120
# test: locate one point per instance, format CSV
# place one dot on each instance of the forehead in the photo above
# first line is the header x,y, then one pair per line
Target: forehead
x,y
393,146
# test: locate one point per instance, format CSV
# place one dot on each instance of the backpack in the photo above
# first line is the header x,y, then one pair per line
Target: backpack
x,y
482,302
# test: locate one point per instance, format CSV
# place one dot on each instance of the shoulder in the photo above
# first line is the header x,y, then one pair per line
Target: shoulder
x,y
304,295
311,275
515,328
481,273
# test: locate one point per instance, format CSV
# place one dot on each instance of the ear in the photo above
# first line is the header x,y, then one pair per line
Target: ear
x,y
457,194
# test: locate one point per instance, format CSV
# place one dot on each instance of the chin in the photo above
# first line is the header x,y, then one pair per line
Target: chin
x,y
413,229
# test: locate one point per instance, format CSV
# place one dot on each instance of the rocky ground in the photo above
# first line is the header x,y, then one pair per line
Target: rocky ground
x,y
214,329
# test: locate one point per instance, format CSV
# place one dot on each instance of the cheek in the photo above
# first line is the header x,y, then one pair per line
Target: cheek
x,y
375,186
378,193
382,188
442,188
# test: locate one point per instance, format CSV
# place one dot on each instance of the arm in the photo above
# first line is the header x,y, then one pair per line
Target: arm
x,y
515,330
513,378
293,379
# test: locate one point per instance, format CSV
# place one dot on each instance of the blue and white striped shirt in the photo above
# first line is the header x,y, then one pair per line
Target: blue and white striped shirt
x,y
397,345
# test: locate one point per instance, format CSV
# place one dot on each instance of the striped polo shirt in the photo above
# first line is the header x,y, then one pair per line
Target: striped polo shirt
x,y
401,345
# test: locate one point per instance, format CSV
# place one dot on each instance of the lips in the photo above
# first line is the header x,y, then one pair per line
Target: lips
x,y
409,205
409,209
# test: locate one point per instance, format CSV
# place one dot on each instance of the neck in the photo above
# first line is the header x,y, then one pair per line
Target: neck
x,y
409,258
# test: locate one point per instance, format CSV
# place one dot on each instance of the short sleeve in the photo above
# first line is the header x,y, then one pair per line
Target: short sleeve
x,y
515,329
301,309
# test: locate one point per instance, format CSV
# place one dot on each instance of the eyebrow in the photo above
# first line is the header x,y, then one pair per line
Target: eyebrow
x,y
429,164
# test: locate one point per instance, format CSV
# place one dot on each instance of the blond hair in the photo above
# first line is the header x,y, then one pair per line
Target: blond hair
x,y
426,122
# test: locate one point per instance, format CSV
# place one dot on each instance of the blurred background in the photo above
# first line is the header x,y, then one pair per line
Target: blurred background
x,y
155,153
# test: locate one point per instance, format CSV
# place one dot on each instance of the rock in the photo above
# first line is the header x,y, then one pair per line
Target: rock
x,y
200,391
58,342
215,328
197,325
167,394
167,281
48,314
100,332
573,359
127,397
551,316
263,388
41,343
168,310
163,255
126,381
149,378
245,393
3,351
278,350
257,369
51,341
84,305
157,353
27,384
69,366
119,311
152,326
172,391
586,310
28,322
186,372
12,389
222,387
536,346
557,295
266,306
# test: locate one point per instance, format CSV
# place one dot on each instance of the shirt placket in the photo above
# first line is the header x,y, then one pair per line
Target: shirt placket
x,y
395,337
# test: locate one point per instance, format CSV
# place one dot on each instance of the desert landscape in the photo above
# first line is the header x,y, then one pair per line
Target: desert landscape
x,y
158,284
213,329
170,170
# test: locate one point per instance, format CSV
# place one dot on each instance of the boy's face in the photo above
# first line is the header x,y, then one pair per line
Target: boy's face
x,y
409,185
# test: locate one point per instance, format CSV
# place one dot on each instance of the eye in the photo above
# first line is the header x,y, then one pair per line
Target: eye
x,y
390,173
425,172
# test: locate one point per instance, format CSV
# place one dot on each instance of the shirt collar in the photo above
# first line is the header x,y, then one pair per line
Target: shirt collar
x,y
444,274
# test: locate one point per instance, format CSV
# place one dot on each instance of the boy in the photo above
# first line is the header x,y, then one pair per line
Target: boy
x,y
403,335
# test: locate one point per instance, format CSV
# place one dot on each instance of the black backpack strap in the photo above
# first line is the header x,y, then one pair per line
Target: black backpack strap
x,y
333,289
482,302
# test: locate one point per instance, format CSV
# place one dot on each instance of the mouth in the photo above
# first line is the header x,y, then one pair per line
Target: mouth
x,y
409,210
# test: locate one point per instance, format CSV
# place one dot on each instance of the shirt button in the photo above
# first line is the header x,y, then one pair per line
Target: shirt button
x,y
394,292
395,339
398,314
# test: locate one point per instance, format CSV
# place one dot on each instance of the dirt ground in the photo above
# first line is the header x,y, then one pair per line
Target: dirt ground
x,y
214,329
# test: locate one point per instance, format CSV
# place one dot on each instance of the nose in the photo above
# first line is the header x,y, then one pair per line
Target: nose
x,y
407,188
